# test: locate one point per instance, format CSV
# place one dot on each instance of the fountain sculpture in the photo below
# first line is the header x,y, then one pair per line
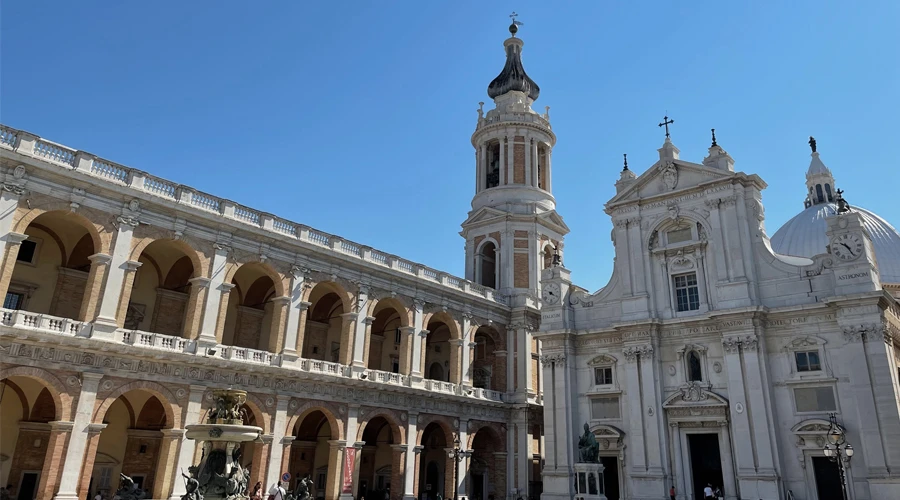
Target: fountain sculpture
x,y
219,474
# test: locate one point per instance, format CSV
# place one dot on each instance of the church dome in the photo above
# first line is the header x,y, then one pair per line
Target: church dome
x,y
513,76
804,236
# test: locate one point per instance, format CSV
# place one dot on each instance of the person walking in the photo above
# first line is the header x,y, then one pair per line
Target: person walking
x,y
672,492
708,492
257,491
276,492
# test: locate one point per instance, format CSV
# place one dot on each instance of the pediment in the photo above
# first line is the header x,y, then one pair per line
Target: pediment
x,y
669,176
484,214
554,221
812,426
694,395
602,360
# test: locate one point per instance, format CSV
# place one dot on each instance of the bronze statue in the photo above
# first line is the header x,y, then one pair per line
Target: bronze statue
x,y
812,143
192,486
304,488
588,447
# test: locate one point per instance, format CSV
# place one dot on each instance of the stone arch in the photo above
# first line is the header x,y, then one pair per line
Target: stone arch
x,y
491,428
447,319
302,411
268,270
173,418
399,307
398,431
61,397
667,223
348,299
12,386
101,234
443,421
263,418
140,243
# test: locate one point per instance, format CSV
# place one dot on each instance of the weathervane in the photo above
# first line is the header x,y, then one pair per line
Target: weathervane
x,y
666,122
514,27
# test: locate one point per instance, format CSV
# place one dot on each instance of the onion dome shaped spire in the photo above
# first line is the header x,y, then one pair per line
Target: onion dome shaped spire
x,y
513,76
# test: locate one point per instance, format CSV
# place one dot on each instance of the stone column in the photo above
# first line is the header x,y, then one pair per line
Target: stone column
x,y
291,349
635,411
759,415
523,361
210,331
654,431
84,410
335,469
559,407
9,203
418,340
106,323
11,243
510,361
503,162
345,355
261,453
90,304
406,343
361,329
194,315
397,467
279,429
500,482
166,472
90,455
53,460
131,268
524,454
679,472
409,474
279,320
465,345
287,444
192,415
461,465
510,464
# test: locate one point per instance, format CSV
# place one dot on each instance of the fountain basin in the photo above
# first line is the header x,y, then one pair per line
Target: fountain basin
x,y
222,432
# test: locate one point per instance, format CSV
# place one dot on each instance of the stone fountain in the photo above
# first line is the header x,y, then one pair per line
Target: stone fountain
x,y
219,474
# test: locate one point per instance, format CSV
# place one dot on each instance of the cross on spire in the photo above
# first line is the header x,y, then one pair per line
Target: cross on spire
x,y
514,27
666,122
625,155
714,138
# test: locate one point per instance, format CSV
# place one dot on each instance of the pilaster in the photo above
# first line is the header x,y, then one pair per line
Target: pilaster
x,y
106,324
409,474
279,428
75,452
192,415
217,293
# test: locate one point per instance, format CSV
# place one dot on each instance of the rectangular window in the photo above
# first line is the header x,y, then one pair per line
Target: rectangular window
x,y
679,235
603,376
13,300
604,408
27,251
398,336
811,399
395,365
807,361
687,293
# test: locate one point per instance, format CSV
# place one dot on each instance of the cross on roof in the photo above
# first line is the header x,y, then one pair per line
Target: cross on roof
x,y
666,122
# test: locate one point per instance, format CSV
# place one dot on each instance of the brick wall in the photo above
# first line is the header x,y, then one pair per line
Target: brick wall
x,y
520,270
168,313
27,456
519,160
69,293
136,463
248,329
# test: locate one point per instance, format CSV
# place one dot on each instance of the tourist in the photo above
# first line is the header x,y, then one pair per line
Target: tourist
x,y
98,496
257,491
276,492
708,491
672,492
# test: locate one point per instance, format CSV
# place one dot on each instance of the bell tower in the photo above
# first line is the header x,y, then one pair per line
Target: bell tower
x,y
513,229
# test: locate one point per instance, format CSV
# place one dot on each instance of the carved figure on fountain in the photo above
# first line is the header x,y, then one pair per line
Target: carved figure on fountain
x,y
128,490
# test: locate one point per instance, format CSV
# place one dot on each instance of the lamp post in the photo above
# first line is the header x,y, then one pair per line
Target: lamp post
x,y
456,454
838,450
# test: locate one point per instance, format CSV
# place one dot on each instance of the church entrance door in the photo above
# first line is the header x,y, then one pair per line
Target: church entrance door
x,y
706,463
828,479
610,477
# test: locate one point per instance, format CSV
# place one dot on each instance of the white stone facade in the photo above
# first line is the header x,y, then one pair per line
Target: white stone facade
x,y
709,358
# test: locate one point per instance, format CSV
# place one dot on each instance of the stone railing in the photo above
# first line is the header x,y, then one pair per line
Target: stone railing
x,y
155,342
107,171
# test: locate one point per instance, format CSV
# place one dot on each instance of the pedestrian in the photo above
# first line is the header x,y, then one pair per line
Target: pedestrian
x,y
672,492
708,492
5,492
276,492
98,496
257,491
718,493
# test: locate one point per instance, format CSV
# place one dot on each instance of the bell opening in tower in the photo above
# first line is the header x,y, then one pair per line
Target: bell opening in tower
x,y
487,266
492,172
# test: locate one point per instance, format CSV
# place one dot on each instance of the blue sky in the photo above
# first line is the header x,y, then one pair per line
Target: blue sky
x,y
355,117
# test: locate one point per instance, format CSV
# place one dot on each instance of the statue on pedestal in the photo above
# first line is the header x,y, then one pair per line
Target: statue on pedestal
x,y
588,447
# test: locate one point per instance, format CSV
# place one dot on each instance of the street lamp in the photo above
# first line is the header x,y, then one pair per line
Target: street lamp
x,y
838,450
456,454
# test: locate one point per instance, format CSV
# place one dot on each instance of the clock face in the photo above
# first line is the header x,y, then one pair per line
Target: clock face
x,y
847,246
551,293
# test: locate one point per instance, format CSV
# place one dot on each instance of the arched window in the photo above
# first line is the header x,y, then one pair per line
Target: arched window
x,y
828,192
819,195
695,374
492,169
487,265
436,371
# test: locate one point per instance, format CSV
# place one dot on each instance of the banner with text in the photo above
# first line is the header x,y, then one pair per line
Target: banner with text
x,y
349,465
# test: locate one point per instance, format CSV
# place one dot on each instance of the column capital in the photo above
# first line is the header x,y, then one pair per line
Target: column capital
x,y
267,438
304,305
424,333
132,265
418,449
172,433
350,316
15,238
282,300
91,376
61,425
95,428
287,440
399,447
200,282
226,287
338,444
409,330
369,320
100,259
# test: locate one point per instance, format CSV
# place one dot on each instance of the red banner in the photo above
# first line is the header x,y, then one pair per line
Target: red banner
x,y
349,466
